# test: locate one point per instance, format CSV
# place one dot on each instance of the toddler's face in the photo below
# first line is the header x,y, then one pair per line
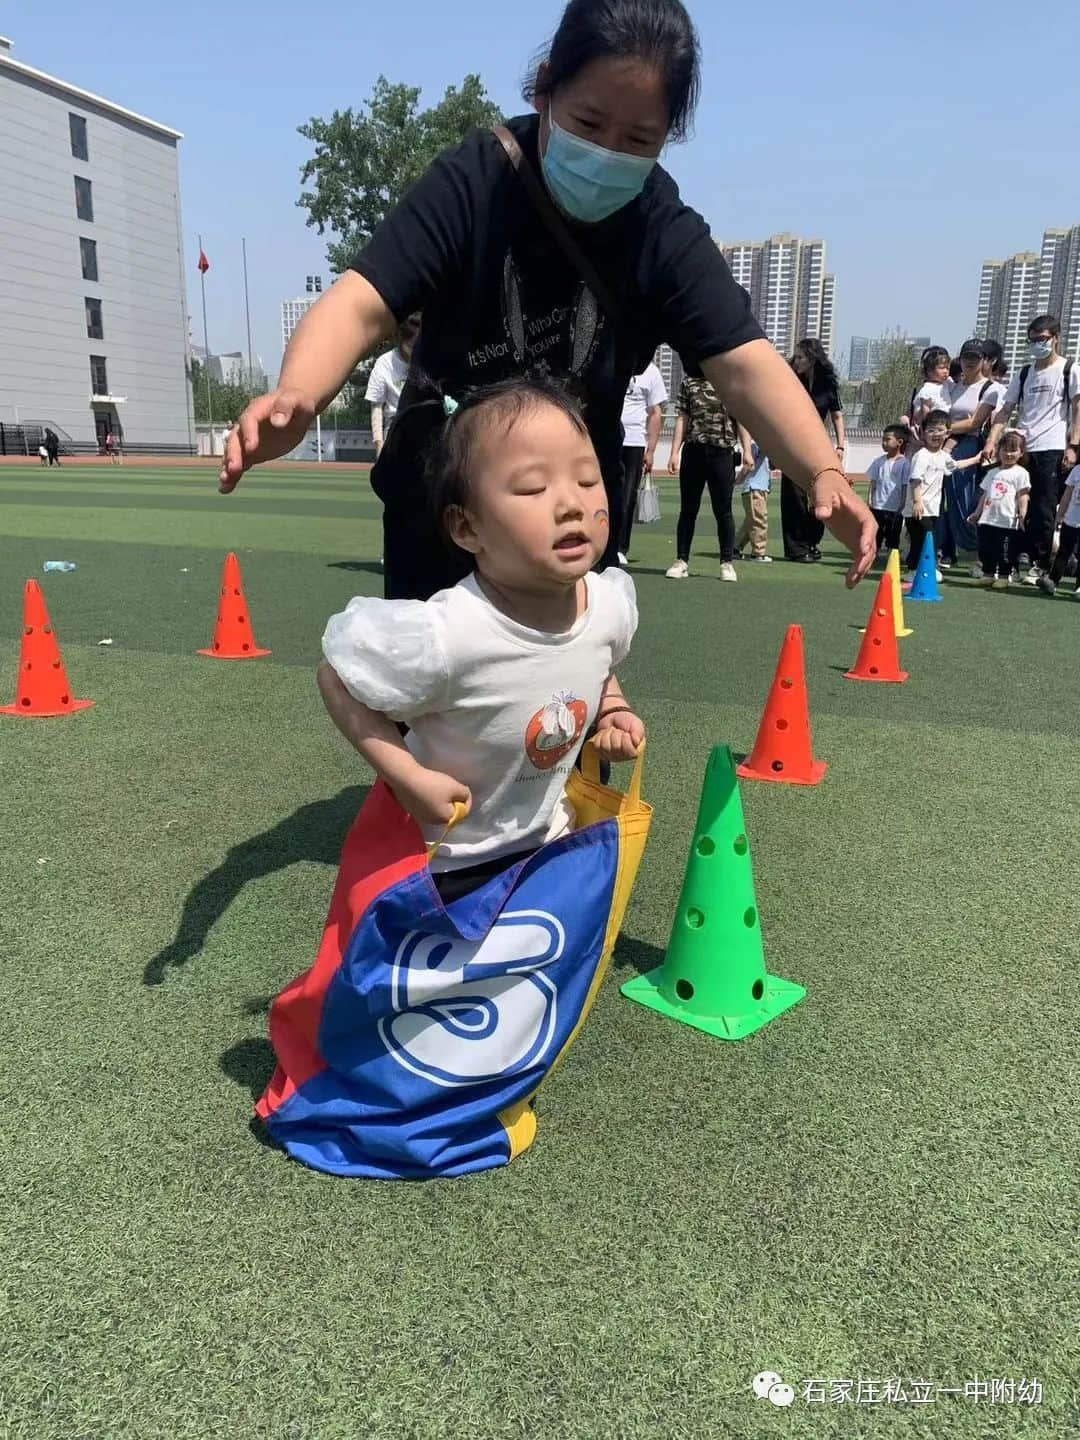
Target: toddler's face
x,y
538,512
935,437
940,373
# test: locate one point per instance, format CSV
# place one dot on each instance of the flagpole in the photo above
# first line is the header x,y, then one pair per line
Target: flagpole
x,y
206,348
247,312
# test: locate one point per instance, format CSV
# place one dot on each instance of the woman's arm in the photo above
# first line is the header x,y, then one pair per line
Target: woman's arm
x,y
841,435
973,518
1022,506
328,344
652,434
676,444
377,428
760,388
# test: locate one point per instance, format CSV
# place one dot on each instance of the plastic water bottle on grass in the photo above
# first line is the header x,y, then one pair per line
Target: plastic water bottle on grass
x,y
63,566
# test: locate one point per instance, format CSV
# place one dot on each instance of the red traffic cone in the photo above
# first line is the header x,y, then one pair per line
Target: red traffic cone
x,y
43,687
782,750
879,656
233,636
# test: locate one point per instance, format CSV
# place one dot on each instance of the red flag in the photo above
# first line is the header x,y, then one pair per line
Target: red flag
x,y
204,263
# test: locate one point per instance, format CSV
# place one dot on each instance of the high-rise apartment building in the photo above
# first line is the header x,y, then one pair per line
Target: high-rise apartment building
x,y
868,356
94,333
792,294
293,311
1012,292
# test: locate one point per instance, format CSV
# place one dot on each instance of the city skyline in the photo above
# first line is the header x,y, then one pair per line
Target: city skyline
x,y
791,293
1044,282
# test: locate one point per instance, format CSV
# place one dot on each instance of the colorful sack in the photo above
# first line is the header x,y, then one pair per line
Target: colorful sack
x,y
648,502
414,1044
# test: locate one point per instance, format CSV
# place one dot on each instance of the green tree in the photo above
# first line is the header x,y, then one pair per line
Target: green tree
x,y
227,401
890,393
366,159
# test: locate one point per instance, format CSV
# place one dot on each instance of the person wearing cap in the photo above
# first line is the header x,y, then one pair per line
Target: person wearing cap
x,y
971,408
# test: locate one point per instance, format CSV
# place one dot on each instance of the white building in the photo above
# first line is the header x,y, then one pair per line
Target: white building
x,y
1012,292
94,331
293,311
791,292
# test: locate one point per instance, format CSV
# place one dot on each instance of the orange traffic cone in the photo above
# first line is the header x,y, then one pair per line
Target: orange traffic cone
x,y
233,636
782,750
43,687
879,656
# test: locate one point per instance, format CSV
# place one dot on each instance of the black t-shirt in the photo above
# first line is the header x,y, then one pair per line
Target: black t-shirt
x,y
825,399
466,247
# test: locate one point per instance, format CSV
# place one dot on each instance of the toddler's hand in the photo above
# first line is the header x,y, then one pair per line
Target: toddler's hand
x,y
620,736
917,510
430,796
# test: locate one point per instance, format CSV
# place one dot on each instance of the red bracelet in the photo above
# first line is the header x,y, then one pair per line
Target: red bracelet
x,y
826,470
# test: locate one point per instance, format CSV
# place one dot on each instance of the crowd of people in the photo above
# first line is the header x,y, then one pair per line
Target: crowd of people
x,y
981,462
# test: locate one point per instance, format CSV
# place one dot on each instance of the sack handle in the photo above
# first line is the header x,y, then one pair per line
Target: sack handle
x,y
545,208
590,768
460,811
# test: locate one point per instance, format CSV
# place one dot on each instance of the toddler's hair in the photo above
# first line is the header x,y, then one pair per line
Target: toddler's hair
x,y
902,433
503,403
932,357
1017,437
936,417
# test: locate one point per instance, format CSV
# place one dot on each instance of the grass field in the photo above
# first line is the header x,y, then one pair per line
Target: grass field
x,y
883,1183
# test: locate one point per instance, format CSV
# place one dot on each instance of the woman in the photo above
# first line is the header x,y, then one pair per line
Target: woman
x,y
469,247
707,458
801,524
971,408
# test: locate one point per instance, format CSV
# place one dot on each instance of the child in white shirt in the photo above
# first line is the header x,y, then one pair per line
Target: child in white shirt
x,y
1068,517
926,482
888,478
1001,510
501,677
932,394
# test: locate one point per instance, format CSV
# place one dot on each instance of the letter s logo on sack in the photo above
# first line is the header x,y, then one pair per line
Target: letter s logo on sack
x,y
472,1011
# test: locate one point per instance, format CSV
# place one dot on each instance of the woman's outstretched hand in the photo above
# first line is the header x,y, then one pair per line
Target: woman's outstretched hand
x,y
837,505
270,427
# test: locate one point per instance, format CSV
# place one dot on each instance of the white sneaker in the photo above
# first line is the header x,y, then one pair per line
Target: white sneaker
x,y
622,558
938,574
1033,575
761,559
679,571
727,571
976,572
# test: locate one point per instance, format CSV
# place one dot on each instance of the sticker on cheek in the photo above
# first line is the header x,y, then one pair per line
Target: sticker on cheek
x,y
601,517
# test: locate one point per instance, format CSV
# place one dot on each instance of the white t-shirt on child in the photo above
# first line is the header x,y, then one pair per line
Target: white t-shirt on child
x,y
1001,487
500,707
932,395
929,469
1072,511
887,481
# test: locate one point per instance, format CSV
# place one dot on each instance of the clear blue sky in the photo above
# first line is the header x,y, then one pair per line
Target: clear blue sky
x,y
890,135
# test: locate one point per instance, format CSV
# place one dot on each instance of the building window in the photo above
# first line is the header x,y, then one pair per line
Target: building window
x,y
99,380
88,251
79,147
84,199
95,329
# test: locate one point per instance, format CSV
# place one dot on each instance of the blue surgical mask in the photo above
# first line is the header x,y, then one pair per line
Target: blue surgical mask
x,y
1042,349
587,181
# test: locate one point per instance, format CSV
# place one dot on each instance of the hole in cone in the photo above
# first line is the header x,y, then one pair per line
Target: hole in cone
x,y
684,989
28,666
705,846
56,664
29,630
778,765
881,614
781,724
873,669
786,684
245,646
877,640
741,846
695,919
236,592
239,619
758,989
26,700
749,917
48,630
65,699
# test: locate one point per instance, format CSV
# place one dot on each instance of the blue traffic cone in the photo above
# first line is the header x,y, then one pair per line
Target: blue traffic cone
x,y
926,586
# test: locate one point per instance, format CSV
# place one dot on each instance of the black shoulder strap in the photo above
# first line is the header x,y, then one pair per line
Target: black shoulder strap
x,y
545,208
984,389
1024,373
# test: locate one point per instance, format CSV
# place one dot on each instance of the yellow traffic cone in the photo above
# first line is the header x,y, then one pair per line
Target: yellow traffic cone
x,y
892,569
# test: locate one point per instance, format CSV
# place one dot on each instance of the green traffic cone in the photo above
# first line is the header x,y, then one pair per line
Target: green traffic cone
x,y
713,976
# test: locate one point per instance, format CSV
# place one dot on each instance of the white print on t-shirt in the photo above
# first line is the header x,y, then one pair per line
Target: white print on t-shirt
x,y
1001,487
554,731
929,469
887,481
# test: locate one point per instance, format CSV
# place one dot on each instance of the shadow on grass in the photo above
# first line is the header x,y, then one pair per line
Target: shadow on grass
x,y
636,955
251,1063
314,832
369,567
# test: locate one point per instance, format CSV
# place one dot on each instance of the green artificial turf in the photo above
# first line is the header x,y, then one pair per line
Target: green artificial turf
x,y
882,1183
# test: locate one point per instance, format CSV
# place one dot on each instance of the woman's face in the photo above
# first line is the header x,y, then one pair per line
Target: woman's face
x,y
618,104
971,368
802,364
